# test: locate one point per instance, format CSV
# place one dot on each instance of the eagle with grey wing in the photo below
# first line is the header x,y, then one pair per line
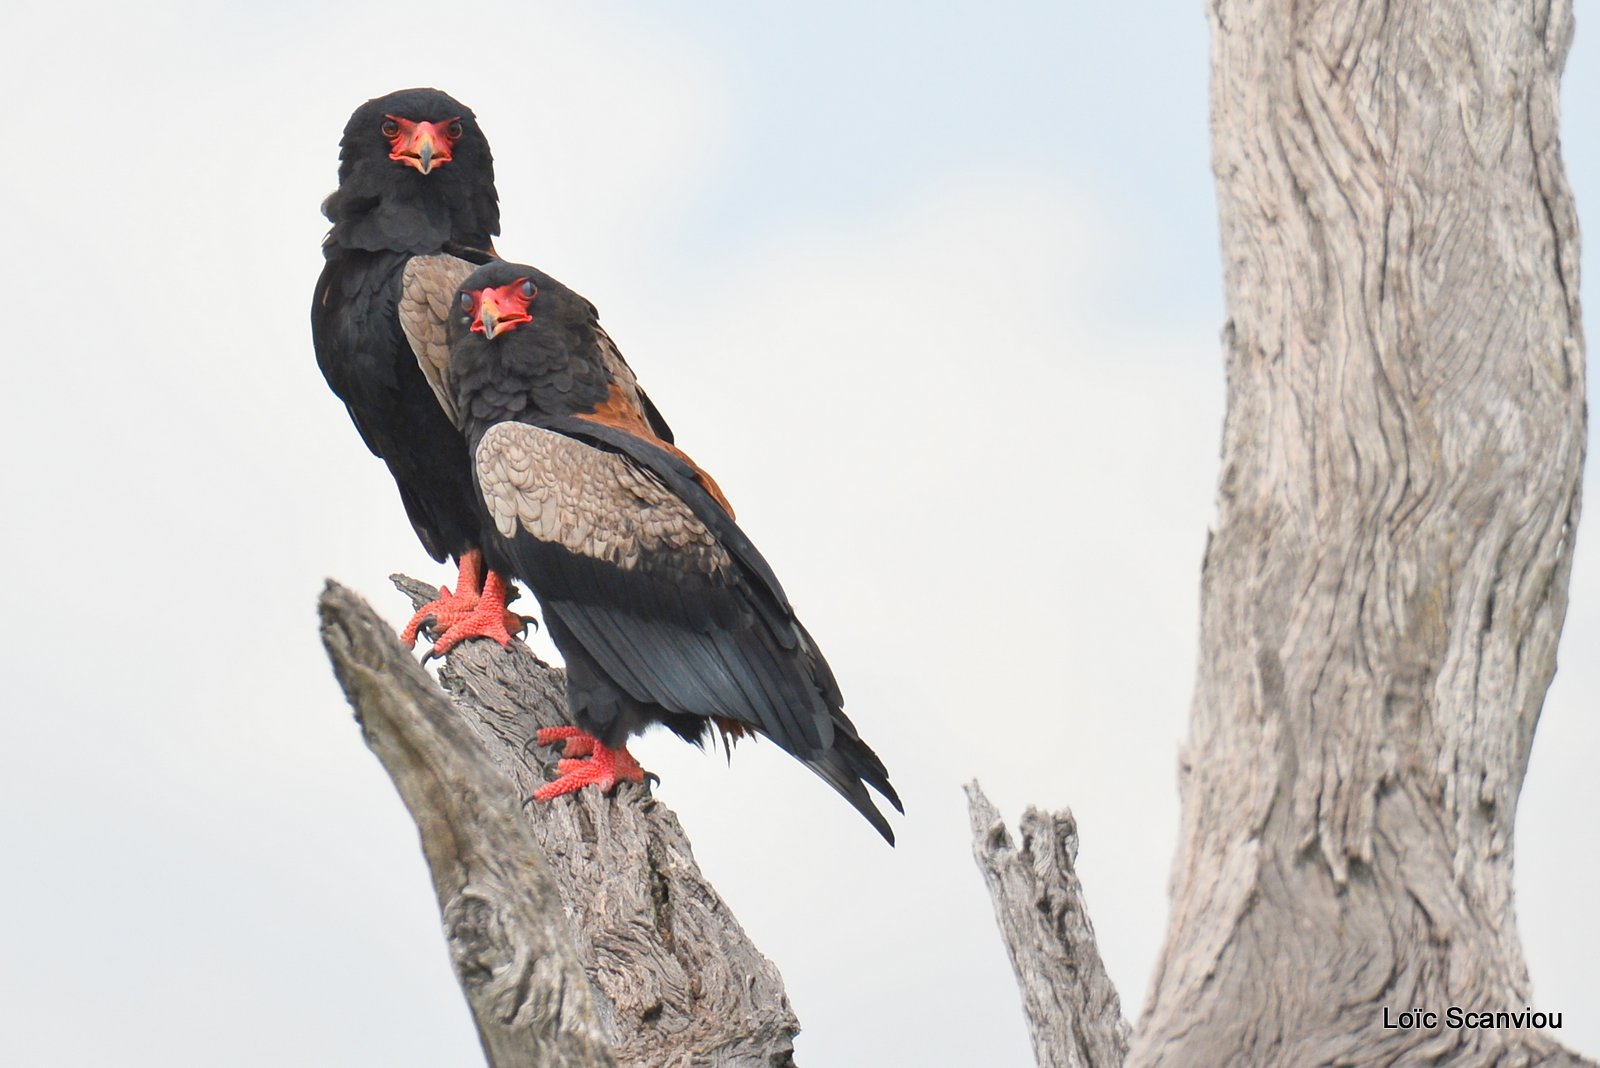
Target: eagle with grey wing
x,y
663,609
416,178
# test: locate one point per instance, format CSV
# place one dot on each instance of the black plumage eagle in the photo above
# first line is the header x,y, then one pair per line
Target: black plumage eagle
x,y
662,608
416,194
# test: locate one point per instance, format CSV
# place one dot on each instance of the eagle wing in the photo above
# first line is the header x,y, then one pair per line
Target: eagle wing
x,y
427,298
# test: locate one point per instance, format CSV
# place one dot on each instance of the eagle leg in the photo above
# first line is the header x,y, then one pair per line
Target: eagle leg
x,y
578,744
605,768
448,609
487,618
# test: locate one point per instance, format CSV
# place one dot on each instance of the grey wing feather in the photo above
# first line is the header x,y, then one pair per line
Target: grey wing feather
x,y
647,587
427,299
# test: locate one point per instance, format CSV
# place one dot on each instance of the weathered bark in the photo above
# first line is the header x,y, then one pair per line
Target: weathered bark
x,y
678,982
1384,591
1074,1014
508,938
1383,595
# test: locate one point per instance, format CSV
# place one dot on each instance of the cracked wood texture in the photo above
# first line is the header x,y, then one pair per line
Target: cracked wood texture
x,y
676,981
1074,1014
1384,591
509,941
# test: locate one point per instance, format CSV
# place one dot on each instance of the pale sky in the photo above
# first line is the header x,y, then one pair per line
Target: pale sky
x,y
935,296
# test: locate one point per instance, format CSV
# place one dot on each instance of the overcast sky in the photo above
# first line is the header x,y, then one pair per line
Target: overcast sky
x,y
934,294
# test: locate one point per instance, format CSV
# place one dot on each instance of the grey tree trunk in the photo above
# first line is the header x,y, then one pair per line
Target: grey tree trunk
x,y
508,938
1383,594
530,892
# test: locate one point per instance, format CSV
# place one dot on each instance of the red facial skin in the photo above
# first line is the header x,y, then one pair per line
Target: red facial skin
x,y
495,311
421,146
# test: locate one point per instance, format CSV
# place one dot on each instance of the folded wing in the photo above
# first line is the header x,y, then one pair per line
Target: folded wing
x,y
632,555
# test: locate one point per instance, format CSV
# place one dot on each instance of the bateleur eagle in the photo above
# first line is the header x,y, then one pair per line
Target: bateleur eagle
x,y
662,608
416,191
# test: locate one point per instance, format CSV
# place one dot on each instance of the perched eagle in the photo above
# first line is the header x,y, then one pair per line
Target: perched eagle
x,y
661,606
416,186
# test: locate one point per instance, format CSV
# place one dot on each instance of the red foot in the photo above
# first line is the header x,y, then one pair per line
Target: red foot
x,y
578,744
488,618
448,609
605,768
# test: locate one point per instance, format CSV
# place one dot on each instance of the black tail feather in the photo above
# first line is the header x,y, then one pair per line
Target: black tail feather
x,y
850,767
